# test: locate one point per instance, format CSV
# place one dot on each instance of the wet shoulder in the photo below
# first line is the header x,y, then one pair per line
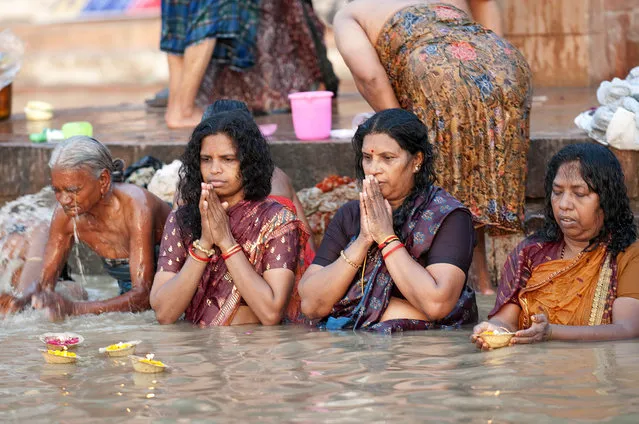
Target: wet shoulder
x,y
373,20
135,196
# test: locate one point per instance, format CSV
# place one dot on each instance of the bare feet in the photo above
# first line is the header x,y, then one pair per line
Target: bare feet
x,y
178,119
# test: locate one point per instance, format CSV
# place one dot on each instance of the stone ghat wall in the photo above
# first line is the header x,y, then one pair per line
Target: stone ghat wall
x,y
24,169
574,43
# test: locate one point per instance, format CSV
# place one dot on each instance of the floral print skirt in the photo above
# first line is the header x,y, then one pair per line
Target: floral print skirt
x,y
290,56
473,91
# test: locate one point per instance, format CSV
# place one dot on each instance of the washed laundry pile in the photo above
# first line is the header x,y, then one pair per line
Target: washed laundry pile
x,y
616,121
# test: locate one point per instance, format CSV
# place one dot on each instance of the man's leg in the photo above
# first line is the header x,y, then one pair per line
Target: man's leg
x,y
183,112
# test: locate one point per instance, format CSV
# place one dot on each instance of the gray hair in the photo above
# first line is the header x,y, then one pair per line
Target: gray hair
x,y
81,151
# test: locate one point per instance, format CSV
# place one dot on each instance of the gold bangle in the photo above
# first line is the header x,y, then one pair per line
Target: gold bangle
x,y
198,246
348,261
33,259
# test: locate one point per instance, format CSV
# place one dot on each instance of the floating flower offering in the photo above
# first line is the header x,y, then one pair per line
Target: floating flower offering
x,y
497,338
59,356
121,349
61,341
147,364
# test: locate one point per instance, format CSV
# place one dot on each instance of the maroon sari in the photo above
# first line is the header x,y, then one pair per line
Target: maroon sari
x,y
271,237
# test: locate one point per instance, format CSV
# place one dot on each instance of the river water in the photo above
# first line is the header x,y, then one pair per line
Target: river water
x,y
293,374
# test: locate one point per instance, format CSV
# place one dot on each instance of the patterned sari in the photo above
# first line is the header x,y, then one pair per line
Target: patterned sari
x,y
473,91
232,23
271,237
577,291
289,56
365,301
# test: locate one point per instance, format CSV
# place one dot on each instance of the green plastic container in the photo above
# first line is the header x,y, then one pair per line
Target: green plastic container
x,y
77,128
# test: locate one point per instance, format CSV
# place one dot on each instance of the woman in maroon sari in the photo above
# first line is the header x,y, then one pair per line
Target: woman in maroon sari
x,y
229,255
398,259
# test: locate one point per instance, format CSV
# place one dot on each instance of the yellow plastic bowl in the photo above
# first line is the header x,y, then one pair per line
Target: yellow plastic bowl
x,y
122,352
496,340
120,349
147,366
59,357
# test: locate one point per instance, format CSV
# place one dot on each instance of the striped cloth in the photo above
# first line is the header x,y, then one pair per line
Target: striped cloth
x,y
233,23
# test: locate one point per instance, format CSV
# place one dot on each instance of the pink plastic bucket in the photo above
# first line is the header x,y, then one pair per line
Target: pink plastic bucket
x,y
312,114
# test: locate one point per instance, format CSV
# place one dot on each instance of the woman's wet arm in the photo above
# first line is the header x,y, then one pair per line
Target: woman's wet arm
x,y
56,251
321,287
363,62
433,290
625,325
172,292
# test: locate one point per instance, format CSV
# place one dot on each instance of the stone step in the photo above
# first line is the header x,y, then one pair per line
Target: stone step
x,y
96,52
132,132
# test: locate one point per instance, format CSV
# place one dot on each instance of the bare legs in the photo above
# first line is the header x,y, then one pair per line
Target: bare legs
x,y
185,76
480,264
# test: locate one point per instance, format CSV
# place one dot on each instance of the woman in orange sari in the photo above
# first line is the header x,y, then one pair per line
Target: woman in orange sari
x,y
576,279
229,255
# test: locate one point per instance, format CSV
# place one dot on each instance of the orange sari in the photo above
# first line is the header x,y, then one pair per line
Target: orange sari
x,y
577,291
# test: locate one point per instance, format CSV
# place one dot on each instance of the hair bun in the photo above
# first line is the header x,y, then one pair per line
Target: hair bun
x,y
117,173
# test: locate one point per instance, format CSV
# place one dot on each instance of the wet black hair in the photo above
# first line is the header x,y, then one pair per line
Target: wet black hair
x,y
412,136
602,172
253,152
224,105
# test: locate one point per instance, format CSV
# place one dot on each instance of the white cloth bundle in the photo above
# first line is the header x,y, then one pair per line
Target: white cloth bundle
x,y
631,104
633,76
616,121
610,92
601,118
164,182
622,132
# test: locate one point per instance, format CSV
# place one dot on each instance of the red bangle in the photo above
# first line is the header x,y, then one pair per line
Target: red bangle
x,y
387,254
232,251
388,241
196,256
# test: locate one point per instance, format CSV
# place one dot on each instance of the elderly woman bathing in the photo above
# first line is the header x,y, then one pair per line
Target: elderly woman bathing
x,y
576,279
398,258
120,222
229,254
